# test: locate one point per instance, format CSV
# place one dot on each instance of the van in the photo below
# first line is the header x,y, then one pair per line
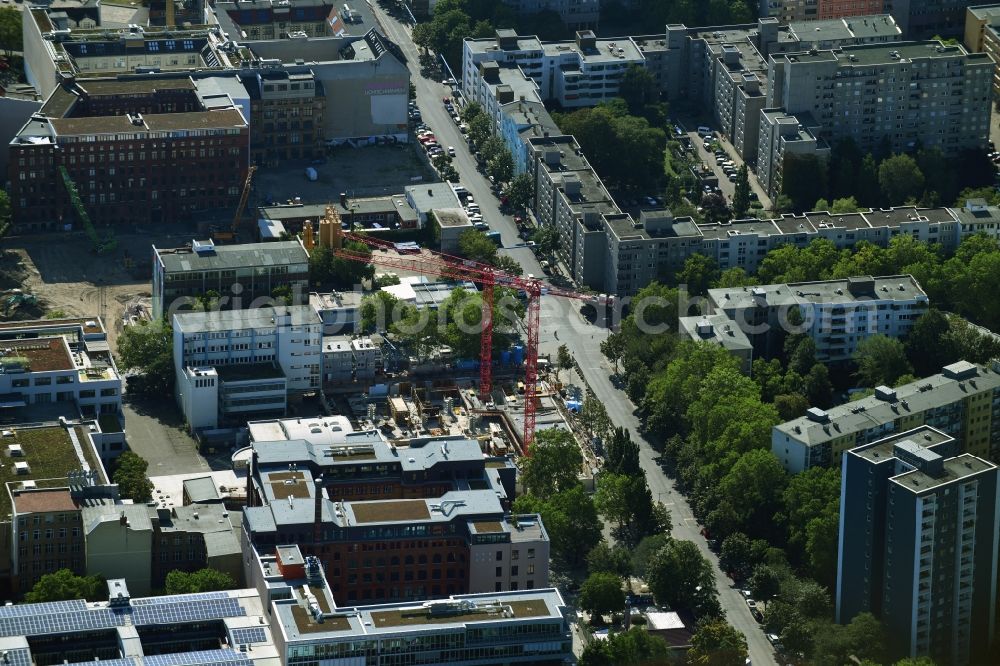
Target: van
x,y
704,131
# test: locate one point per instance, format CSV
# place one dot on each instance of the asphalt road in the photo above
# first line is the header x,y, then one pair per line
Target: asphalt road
x,y
562,323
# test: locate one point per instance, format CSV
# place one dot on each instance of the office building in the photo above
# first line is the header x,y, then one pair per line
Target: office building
x,y
963,401
718,329
395,523
918,545
911,93
232,364
193,629
339,311
190,538
244,275
347,359
982,35
110,147
836,314
523,627
59,363
318,431
287,114
378,215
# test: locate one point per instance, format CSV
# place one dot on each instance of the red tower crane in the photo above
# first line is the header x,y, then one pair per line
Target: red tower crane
x,y
488,277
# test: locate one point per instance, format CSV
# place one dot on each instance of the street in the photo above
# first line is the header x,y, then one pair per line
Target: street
x,y
583,339
708,157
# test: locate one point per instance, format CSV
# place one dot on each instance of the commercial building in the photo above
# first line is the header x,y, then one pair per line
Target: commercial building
x,y
431,197
918,544
204,629
720,330
110,147
394,523
836,314
60,362
244,275
287,114
982,35
190,538
231,364
910,93
339,311
963,401
379,215
525,627
319,431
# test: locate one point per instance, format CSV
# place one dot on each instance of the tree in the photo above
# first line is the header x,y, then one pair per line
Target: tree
x,y
644,552
508,264
612,498
735,556
613,347
900,179
881,360
473,244
564,359
716,643
553,463
817,386
622,453
868,192
734,277
594,418
547,239
471,110
765,583
203,580
680,577
714,208
501,167
635,647
148,348
10,31
131,478
637,88
741,197
5,210
928,345
327,268
64,585
602,594
791,405
698,273
377,310
616,560
479,130
521,191
570,519
863,638
845,205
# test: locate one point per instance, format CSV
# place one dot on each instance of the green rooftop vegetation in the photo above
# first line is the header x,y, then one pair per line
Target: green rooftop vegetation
x,y
411,616
49,453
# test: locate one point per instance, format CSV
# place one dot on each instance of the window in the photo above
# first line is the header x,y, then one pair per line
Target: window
x,y
531,553
499,572
499,556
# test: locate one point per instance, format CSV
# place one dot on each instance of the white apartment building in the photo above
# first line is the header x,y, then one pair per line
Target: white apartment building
x,y
236,363
836,314
59,361
584,72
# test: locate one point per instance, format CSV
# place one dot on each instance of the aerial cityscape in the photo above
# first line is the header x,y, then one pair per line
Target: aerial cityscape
x,y
456,332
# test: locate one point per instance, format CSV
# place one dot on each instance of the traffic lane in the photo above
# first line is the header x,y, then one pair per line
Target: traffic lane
x,y
562,316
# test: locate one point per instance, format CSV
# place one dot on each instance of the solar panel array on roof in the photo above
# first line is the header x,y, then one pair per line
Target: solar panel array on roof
x,y
186,611
18,657
47,608
249,636
166,601
107,662
200,658
59,623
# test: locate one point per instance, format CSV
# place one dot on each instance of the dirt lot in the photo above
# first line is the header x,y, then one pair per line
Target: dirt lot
x,y
66,276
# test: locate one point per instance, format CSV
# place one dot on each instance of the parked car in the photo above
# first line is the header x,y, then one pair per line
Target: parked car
x,y
751,604
451,150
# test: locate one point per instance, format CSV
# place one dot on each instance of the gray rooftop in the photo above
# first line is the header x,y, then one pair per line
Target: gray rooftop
x,y
957,382
718,329
954,469
432,196
922,437
892,53
228,320
826,292
222,257
846,29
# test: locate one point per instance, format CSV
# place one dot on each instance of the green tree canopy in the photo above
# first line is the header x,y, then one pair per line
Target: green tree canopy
x,y
638,88
900,179
570,519
717,643
521,191
741,197
64,585
881,360
203,580
616,559
680,577
601,594
635,647
553,463
148,348
131,478
622,454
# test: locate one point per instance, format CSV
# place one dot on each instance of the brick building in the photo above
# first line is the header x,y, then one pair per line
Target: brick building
x,y
287,115
119,141
392,523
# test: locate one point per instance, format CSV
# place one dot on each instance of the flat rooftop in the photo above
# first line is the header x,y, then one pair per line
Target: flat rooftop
x,y
955,469
924,437
826,292
153,122
222,257
37,355
456,612
249,371
229,320
846,29
390,510
50,455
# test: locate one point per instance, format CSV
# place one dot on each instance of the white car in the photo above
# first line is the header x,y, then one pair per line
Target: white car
x,y
451,150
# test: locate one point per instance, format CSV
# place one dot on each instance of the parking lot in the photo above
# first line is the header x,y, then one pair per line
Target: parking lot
x,y
708,157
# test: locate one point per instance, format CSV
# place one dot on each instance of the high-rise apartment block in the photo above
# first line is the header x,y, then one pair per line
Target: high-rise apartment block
x,y
963,401
918,544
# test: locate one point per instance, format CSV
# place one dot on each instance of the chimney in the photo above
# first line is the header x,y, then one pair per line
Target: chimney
x,y
343,199
318,512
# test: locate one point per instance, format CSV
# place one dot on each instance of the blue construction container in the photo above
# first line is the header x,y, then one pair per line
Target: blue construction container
x,y
518,355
